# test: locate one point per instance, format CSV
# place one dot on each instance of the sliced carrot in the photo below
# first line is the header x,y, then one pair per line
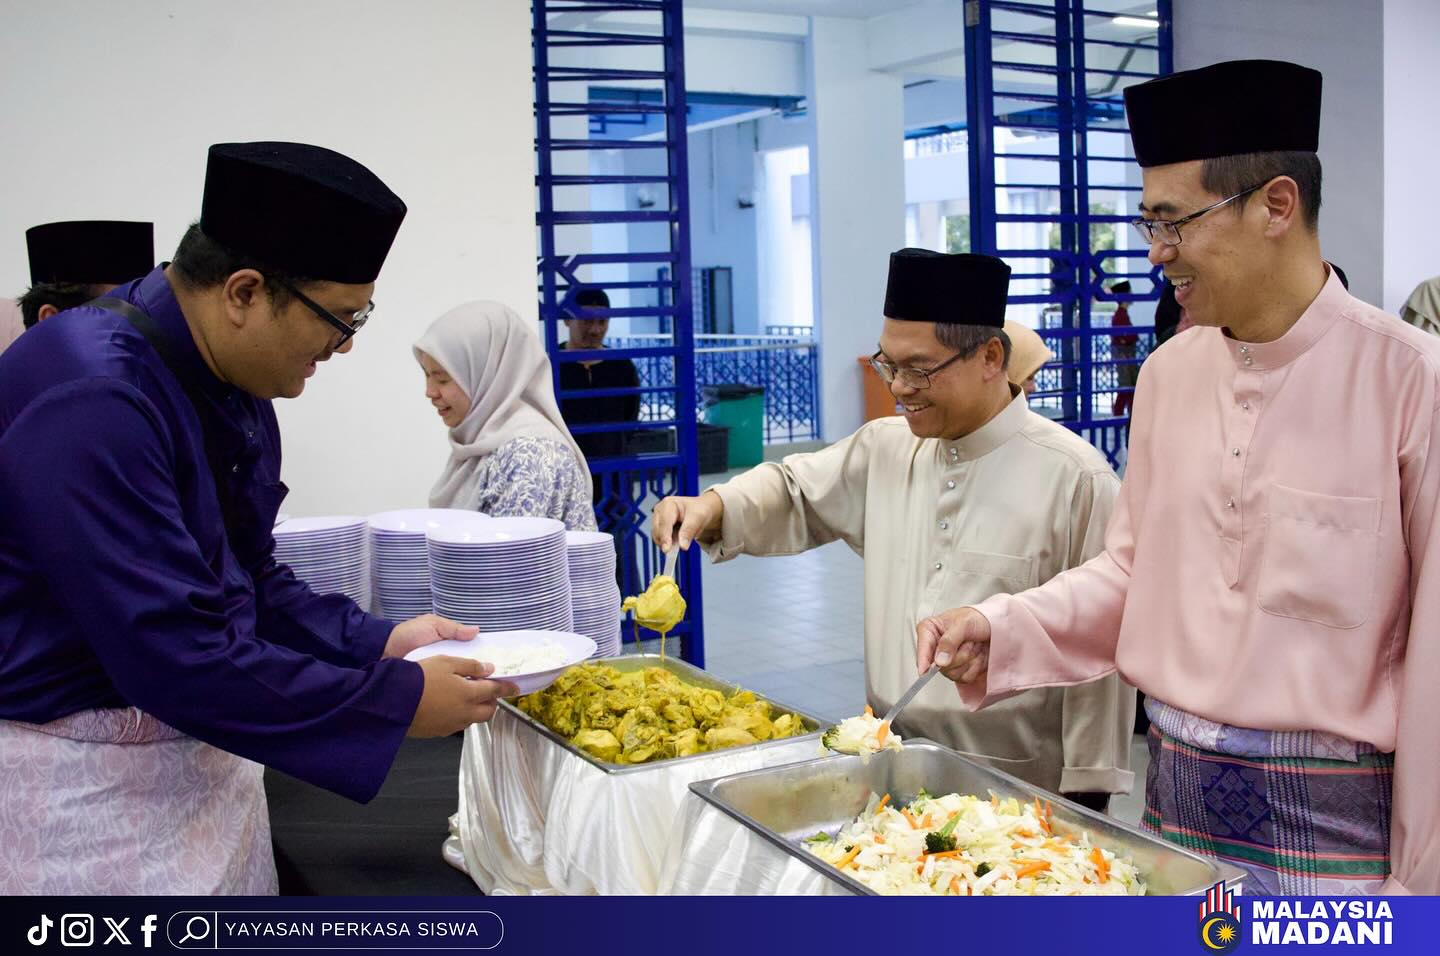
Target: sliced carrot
x,y
880,734
943,854
868,711
994,802
910,818
848,858
881,805
1026,834
1031,867
925,822
1041,817
1102,867
955,884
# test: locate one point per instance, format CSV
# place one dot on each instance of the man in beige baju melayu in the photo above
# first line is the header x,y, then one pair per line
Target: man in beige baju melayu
x,y
965,495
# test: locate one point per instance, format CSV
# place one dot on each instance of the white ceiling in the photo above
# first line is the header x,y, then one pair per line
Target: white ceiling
x,y
862,9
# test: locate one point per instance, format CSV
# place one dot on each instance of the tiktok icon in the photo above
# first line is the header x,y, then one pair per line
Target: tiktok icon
x,y
41,931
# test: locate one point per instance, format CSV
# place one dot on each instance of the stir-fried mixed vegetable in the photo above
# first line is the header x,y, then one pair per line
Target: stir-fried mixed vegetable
x,y
866,734
965,846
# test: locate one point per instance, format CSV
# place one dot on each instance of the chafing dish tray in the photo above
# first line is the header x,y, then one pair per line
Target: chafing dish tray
x,y
691,675
788,803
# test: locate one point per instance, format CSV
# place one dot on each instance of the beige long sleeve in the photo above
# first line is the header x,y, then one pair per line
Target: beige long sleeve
x,y
796,504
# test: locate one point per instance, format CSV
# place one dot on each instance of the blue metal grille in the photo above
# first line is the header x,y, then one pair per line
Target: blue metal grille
x,y
566,61
1045,102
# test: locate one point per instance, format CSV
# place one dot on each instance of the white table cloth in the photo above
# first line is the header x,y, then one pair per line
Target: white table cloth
x,y
535,819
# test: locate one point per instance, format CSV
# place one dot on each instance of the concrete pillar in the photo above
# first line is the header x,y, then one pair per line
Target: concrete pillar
x,y
1412,141
857,207
1341,39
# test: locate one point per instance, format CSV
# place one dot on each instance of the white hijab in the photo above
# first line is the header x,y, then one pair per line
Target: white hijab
x,y
497,359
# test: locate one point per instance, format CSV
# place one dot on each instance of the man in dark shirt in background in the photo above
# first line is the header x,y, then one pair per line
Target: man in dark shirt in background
x,y
587,332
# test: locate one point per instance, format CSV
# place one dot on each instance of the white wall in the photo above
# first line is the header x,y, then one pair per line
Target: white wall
x,y
435,97
857,208
722,170
1341,39
1412,147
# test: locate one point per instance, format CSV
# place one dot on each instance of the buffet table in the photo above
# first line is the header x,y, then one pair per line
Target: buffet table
x,y
537,819
545,813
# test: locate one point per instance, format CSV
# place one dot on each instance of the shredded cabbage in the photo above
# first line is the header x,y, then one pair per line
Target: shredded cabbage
x,y
1003,848
863,735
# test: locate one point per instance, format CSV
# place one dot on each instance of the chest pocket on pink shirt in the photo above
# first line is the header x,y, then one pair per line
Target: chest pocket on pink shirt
x,y
1319,559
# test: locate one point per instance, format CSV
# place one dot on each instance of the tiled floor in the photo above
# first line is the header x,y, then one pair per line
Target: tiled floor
x,y
791,628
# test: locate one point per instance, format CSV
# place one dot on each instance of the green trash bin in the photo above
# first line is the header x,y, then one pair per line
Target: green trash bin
x,y
740,408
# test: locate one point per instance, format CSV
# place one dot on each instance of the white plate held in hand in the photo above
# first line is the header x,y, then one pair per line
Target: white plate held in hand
x,y
576,648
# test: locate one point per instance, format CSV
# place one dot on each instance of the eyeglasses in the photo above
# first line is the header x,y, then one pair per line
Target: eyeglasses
x,y
347,329
1168,230
914,377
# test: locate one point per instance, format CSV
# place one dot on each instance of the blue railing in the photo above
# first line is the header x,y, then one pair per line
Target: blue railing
x,y
1113,363
784,365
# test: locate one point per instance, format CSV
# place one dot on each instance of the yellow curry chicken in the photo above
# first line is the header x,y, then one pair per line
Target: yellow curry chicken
x,y
651,714
659,608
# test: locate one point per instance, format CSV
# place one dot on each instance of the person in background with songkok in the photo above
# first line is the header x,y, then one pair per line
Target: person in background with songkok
x,y
1271,579
151,647
967,493
73,262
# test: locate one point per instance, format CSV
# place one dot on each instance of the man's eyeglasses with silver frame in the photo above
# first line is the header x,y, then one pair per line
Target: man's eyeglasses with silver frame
x,y
1168,230
916,378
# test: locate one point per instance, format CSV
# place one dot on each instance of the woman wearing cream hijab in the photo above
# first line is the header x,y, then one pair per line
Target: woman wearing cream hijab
x,y
1028,354
510,452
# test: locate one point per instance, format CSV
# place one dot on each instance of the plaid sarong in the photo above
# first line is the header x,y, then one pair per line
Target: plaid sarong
x,y
1303,814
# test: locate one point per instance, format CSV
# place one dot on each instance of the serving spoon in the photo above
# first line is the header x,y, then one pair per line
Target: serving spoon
x,y
888,721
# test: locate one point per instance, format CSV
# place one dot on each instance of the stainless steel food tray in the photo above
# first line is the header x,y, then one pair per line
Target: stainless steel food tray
x,y
692,675
788,803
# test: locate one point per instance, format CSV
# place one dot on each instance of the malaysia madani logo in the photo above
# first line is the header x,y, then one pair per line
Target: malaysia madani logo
x,y
1219,920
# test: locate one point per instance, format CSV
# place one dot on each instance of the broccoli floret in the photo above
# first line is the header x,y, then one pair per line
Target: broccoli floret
x,y
923,795
982,869
821,837
830,738
941,841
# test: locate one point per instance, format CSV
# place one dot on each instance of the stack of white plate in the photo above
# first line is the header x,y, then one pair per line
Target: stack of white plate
x,y
400,559
501,574
329,554
594,595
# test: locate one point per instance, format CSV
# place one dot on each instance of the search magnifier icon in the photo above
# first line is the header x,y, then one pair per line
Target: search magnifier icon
x,y
190,934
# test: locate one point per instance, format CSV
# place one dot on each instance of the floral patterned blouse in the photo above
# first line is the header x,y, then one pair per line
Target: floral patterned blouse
x,y
538,478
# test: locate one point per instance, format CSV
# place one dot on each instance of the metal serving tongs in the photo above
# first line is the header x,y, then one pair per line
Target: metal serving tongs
x,y
888,720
